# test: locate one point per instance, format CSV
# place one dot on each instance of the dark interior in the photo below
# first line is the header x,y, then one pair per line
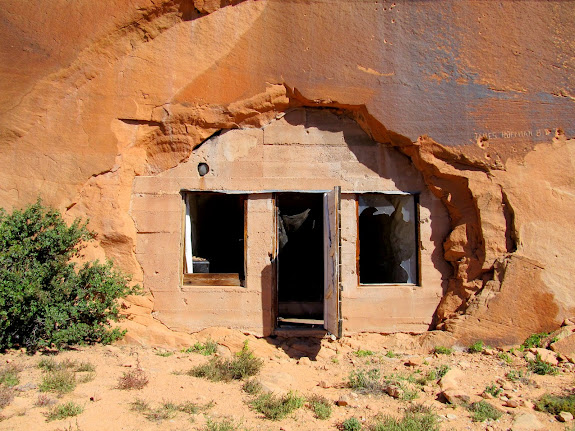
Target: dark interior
x,y
218,231
300,256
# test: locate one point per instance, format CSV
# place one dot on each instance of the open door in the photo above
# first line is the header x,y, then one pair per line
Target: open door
x,y
332,262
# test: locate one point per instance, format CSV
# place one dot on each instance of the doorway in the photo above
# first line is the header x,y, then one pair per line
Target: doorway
x,y
300,259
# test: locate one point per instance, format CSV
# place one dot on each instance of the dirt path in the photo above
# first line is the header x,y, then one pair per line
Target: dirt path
x,y
412,370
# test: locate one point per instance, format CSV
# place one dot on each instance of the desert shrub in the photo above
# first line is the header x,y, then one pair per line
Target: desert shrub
x,y
275,407
476,347
225,424
410,422
406,385
243,364
321,406
534,341
390,354
44,400
542,368
134,379
9,375
504,356
365,381
363,353
555,404
207,349
64,411
45,299
167,409
6,395
483,411
517,375
350,424
252,387
493,390
442,350
59,381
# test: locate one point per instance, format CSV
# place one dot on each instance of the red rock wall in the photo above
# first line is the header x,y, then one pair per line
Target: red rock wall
x,y
479,95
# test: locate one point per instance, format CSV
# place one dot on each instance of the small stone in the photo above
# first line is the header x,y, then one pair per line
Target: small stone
x,y
304,360
343,401
512,403
565,417
394,391
487,396
414,362
451,416
323,384
529,357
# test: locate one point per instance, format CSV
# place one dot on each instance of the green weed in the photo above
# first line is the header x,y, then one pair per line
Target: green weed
x,y
555,404
164,354
243,365
482,411
410,422
276,408
476,347
365,381
493,390
64,411
59,381
321,406
534,341
252,387
441,350
505,357
225,424
351,424
542,368
207,349
390,354
517,375
9,375
363,353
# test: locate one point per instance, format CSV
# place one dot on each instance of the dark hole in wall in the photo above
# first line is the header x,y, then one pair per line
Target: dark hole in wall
x,y
387,239
300,255
217,232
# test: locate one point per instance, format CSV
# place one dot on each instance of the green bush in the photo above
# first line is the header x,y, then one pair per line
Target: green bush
x,y
555,404
442,350
64,411
274,407
542,368
351,424
45,300
410,422
321,406
243,365
476,347
482,411
534,340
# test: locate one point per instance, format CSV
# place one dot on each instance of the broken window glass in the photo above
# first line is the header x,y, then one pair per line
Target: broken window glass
x,y
387,238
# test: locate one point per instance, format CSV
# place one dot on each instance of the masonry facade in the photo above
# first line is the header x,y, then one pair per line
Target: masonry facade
x,y
279,227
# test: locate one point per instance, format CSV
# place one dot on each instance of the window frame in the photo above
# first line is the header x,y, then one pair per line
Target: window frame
x,y
417,236
215,278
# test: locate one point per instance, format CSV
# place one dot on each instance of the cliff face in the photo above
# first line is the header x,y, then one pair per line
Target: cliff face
x,y
478,94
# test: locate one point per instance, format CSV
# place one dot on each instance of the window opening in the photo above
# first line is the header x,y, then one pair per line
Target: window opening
x,y
387,238
214,239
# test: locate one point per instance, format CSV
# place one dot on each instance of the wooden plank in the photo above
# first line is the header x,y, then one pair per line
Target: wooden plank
x,y
212,280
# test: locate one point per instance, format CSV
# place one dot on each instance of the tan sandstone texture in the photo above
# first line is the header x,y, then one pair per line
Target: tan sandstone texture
x,y
106,109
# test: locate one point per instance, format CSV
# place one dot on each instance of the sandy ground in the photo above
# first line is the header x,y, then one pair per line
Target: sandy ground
x,y
286,367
